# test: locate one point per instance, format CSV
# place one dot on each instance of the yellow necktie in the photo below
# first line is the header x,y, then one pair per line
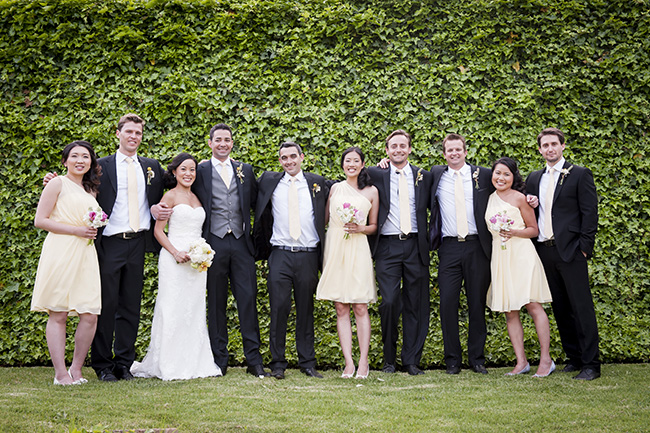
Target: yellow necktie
x,y
404,204
294,210
225,173
461,210
548,204
132,193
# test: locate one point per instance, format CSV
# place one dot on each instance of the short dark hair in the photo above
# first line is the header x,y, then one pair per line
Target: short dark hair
x,y
90,180
220,126
290,144
550,131
453,136
399,132
518,183
130,117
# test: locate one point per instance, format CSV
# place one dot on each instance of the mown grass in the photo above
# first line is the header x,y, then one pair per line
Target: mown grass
x,y
435,402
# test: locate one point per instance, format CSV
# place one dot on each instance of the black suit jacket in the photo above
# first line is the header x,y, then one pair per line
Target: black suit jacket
x,y
246,187
422,182
482,188
575,210
263,229
108,190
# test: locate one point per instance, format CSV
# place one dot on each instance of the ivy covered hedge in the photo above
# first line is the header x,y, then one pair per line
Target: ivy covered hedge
x,y
330,74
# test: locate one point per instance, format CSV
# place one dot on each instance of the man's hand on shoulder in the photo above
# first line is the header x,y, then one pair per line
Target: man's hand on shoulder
x,y
532,200
384,163
161,211
48,177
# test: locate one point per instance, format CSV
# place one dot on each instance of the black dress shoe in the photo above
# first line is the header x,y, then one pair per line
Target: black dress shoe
x,y
413,370
257,370
453,369
570,368
106,375
587,374
389,368
122,373
311,372
278,373
479,368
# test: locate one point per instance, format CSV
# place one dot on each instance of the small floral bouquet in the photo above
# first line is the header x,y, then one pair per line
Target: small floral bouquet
x,y
501,221
95,218
350,214
201,255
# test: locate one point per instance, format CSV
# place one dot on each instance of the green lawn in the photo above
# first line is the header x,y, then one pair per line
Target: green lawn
x,y
435,402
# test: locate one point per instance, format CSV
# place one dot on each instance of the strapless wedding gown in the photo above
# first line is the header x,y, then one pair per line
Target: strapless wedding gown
x,y
180,347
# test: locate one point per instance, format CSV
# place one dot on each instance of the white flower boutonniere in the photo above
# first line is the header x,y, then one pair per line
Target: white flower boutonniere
x,y
240,174
315,189
419,177
475,177
564,173
150,175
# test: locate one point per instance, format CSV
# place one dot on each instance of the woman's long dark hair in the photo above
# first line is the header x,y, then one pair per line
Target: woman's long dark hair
x,y
364,178
518,183
90,180
168,177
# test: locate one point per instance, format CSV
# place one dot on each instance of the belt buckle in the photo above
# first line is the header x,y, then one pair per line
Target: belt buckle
x,y
296,249
402,236
461,239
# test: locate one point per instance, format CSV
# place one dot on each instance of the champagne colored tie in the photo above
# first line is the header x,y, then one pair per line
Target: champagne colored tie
x,y
132,193
404,204
294,210
461,210
225,173
548,204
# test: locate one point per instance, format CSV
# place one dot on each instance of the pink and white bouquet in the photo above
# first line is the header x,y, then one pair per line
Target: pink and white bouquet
x,y
501,221
95,218
201,255
350,214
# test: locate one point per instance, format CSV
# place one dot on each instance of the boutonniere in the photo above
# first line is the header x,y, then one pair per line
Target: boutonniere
x,y
315,189
419,177
240,174
475,177
564,173
150,175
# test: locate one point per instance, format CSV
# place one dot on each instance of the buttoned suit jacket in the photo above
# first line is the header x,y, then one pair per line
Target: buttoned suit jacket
x,y
574,213
263,228
108,191
422,184
246,188
481,188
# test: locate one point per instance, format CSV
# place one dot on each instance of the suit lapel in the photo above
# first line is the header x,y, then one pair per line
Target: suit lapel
x,y
560,182
416,186
112,172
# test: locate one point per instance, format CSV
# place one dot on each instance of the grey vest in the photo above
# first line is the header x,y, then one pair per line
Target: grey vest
x,y
226,213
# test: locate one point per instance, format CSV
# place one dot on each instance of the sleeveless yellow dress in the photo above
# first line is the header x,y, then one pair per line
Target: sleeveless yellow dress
x,y
67,279
517,272
348,275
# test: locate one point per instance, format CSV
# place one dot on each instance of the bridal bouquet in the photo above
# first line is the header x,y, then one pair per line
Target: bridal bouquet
x,y
201,255
349,214
95,218
501,221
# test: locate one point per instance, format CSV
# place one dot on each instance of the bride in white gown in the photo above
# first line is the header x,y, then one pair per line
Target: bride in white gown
x,y
180,347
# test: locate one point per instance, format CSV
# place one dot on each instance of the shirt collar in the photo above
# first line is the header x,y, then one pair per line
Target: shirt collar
x,y
120,157
216,163
463,170
558,165
299,177
406,169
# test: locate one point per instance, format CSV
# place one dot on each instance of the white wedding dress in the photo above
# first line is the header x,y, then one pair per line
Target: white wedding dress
x,y
180,347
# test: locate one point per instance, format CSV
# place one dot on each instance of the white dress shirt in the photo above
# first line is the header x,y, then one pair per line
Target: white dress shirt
x,y
445,195
392,224
119,219
217,166
543,187
280,208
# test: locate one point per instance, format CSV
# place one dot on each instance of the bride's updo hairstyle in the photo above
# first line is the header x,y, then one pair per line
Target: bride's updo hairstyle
x,y
90,180
518,183
364,178
168,177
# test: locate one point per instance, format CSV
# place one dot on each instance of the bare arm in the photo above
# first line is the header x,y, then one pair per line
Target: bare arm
x,y
528,214
327,207
44,210
161,237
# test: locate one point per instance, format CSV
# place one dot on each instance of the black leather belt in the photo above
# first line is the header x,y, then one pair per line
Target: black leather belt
x,y
548,243
296,249
128,235
459,239
400,237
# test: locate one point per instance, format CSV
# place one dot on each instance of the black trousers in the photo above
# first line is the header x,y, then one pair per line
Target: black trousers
x,y
573,306
234,264
298,271
404,287
458,262
121,266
